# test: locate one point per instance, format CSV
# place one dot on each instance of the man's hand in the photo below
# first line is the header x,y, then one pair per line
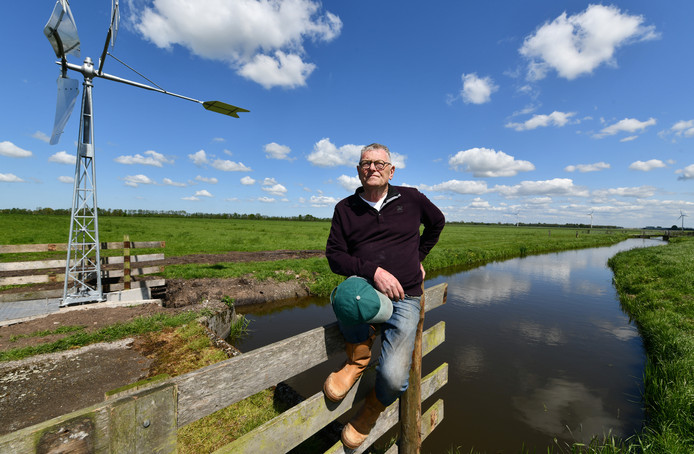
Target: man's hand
x,y
424,273
388,284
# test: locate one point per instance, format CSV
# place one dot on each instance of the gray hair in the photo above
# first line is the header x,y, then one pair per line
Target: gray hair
x,y
375,146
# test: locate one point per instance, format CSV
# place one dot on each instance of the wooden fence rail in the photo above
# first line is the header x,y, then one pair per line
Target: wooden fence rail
x,y
147,418
115,271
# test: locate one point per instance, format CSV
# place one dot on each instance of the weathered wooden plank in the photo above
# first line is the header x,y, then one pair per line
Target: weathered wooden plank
x,y
299,423
435,296
217,386
145,422
134,258
134,245
33,279
21,248
133,272
30,295
60,277
430,420
32,265
138,284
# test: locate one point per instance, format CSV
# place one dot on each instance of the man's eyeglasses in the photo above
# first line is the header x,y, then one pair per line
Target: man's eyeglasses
x,y
380,165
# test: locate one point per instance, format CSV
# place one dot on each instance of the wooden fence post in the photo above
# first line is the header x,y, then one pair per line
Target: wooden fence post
x,y
411,400
126,262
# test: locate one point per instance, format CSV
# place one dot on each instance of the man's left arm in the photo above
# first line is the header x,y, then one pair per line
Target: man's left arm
x,y
434,222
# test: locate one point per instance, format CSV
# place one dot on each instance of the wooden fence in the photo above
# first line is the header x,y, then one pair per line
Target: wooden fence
x,y
146,418
116,271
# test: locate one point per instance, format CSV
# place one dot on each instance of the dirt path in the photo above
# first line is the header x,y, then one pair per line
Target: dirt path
x,y
42,387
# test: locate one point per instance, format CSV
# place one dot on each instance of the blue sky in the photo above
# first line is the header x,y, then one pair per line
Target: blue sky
x,y
538,111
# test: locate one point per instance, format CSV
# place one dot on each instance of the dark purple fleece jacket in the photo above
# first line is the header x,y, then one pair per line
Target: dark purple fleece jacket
x,y
362,239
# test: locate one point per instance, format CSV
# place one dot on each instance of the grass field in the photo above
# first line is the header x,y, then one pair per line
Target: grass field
x,y
460,244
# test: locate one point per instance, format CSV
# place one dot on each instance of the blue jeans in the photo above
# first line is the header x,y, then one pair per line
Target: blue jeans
x,y
397,343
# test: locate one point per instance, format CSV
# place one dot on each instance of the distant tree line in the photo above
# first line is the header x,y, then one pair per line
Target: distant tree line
x,y
163,214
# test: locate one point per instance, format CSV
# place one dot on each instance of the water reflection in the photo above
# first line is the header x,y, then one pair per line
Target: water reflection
x,y
568,408
538,348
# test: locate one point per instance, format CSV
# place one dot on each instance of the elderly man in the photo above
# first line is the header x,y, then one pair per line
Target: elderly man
x,y
375,234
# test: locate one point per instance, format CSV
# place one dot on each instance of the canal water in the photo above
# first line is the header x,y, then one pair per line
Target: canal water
x,y
539,352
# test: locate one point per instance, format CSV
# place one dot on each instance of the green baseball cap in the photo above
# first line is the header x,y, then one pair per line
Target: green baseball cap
x,y
356,301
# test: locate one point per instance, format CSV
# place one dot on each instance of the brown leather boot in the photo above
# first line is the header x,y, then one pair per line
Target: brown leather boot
x,y
338,384
356,431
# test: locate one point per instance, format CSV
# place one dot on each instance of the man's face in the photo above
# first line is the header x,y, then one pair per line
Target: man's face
x,y
370,177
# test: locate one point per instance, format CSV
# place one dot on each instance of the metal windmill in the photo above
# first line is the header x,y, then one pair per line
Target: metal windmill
x,y
83,269
591,219
682,216
517,214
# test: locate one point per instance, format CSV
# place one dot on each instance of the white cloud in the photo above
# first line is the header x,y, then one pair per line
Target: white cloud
x,y
170,182
199,158
63,157
271,186
230,166
203,193
576,45
687,173
322,201
42,136
262,40
483,162
136,180
247,181
629,139
276,151
349,183
459,187
477,90
218,139
638,192
10,178
588,167
152,159
282,70
629,125
555,186
13,151
66,179
210,180
556,118
647,166
326,154
266,200
190,198
683,128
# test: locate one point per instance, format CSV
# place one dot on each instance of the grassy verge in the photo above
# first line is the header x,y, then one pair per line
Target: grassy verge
x,y
656,288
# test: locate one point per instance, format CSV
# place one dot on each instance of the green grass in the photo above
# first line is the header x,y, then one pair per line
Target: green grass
x,y
61,330
656,288
460,244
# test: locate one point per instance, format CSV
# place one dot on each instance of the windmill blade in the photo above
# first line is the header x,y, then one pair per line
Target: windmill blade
x,y
111,35
68,90
223,108
61,31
